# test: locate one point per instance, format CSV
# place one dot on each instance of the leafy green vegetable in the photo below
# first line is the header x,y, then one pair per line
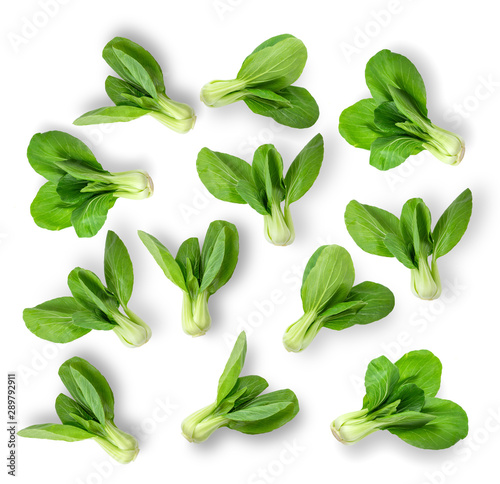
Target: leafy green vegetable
x,y
79,192
140,90
263,185
239,405
401,398
198,273
264,84
393,124
410,239
88,415
93,306
330,300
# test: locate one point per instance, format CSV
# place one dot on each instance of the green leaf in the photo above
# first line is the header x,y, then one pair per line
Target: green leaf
x,y
378,302
421,368
89,425
450,424
134,64
273,176
45,149
275,65
390,151
227,246
116,89
90,216
233,368
88,387
229,403
407,106
369,226
404,420
357,125
118,269
312,262
270,42
212,264
452,225
387,117
380,380
342,312
386,69
304,170
110,114
70,190
265,413
302,113
52,320
49,211
144,102
252,384
220,173
403,252
67,408
192,281
89,291
164,259
259,164
92,320
407,222
272,98
68,433
253,196
409,128
189,253
329,281
422,238
83,171
409,397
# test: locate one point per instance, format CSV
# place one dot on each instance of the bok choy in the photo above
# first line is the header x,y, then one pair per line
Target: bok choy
x,y
264,84
198,273
239,404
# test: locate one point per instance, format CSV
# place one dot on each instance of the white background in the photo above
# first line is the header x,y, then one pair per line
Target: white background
x,y
54,72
